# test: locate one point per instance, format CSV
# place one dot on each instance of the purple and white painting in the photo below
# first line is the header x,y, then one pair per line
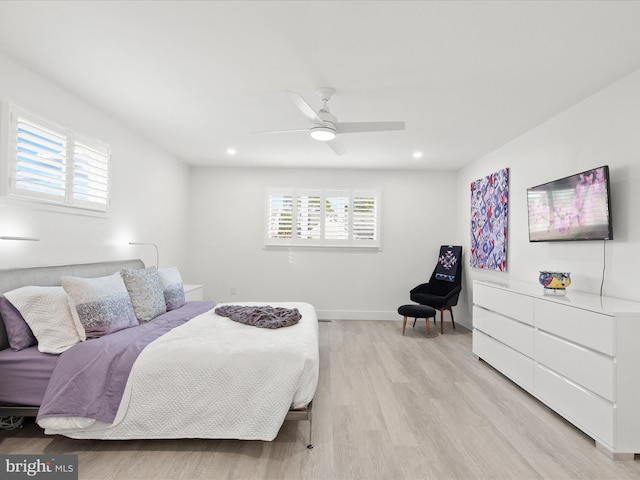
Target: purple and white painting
x,y
489,201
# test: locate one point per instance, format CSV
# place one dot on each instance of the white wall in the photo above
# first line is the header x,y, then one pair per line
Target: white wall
x,y
227,240
149,196
604,129
209,221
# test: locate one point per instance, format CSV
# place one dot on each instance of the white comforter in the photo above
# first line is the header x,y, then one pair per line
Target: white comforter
x,y
212,378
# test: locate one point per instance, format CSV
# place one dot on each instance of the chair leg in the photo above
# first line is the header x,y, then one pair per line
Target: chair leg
x,y
442,318
404,325
428,327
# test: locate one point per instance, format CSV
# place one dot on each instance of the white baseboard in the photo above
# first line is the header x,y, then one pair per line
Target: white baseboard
x,y
376,315
357,315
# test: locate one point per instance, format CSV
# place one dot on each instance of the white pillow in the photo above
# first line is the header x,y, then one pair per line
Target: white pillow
x,y
101,305
46,311
172,287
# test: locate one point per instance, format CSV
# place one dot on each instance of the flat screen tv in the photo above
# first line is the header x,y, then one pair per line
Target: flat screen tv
x,y
577,207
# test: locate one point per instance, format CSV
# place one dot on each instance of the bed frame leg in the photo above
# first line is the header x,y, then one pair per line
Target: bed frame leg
x,y
310,418
302,414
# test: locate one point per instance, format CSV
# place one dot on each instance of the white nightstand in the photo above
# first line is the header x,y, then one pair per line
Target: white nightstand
x,y
192,292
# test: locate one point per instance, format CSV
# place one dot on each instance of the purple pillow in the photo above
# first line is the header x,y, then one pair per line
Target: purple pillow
x,y
18,332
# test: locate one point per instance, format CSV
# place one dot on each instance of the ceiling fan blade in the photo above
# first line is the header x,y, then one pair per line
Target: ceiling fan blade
x,y
337,146
305,108
360,127
282,131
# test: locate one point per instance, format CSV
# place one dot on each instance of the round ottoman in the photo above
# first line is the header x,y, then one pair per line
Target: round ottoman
x,y
416,311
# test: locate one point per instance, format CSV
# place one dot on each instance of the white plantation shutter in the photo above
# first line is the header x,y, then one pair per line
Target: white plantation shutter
x,y
90,173
40,159
56,165
337,217
365,217
280,217
324,218
308,217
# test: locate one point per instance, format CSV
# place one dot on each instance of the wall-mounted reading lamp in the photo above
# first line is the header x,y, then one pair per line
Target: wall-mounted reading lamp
x,y
154,246
30,239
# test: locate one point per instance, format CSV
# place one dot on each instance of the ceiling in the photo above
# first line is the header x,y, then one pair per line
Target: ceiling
x,y
198,78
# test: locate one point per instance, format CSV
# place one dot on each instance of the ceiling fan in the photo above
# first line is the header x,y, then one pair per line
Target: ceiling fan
x,y
325,126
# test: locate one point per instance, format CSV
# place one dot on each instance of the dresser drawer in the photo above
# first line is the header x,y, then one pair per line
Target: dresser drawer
x,y
507,303
592,370
593,330
518,336
512,364
587,411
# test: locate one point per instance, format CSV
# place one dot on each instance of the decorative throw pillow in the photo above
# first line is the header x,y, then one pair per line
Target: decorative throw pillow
x,y
102,305
172,287
145,290
46,311
19,334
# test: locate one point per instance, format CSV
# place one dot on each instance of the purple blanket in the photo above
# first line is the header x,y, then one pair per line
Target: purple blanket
x,y
263,316
89,378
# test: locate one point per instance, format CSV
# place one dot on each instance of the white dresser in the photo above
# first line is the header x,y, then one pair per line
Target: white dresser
x,y
579,354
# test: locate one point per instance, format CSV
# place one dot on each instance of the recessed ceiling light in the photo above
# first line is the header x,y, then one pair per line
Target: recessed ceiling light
x,y
417,154
231,151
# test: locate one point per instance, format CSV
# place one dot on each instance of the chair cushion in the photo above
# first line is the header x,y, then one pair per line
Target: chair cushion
x,y
416,311
436,301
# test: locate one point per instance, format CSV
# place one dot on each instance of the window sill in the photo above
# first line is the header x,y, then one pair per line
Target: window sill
x,y
21,202
345,248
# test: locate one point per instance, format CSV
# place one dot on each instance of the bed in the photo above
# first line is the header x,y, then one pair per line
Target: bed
x,y
186,373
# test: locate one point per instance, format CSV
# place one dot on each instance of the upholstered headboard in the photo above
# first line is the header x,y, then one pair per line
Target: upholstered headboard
x,y
50,276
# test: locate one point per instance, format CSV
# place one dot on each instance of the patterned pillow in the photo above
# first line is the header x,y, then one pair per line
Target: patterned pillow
x,y
172,286
145,290
19,334
102,305
46,311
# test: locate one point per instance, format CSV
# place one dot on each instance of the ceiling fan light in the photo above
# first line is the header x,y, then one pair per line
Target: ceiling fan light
x,y
324,134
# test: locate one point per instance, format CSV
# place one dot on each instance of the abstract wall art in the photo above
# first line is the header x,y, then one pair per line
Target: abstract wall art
x,y
489,202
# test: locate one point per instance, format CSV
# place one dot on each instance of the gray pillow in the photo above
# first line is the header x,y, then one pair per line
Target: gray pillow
x,y
172,286
145,290
102,305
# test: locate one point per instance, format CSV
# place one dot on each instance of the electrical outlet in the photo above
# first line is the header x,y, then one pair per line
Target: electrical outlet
x,y
233,291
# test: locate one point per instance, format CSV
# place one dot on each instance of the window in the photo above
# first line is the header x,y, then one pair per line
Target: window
x,y
340,218
56,165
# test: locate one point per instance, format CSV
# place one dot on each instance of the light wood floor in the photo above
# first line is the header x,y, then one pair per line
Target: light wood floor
x,y
387,407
